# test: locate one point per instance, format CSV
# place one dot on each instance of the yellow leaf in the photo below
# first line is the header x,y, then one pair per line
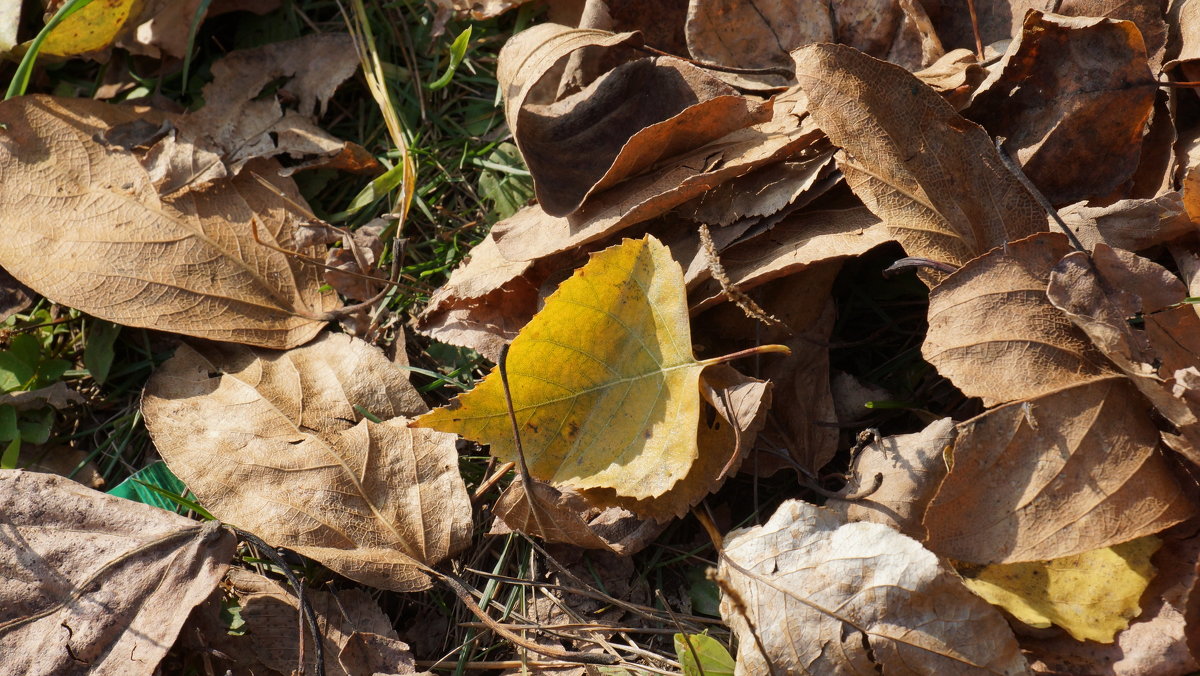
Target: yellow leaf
x,y
1092,595
603,380
90,29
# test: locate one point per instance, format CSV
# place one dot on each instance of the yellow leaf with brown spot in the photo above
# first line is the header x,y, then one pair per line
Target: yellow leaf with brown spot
x,y
604,384
1093,595
90,29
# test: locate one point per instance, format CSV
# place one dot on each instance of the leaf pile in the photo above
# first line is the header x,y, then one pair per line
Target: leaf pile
x,y
709,182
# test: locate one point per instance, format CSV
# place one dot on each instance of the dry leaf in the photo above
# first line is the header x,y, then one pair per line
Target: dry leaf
x,y
94,584
1072,97
1067,472
287,456
352,626
1132,224
955,76
608,130
162,26
828,597
479,9
90,29
1092,595
604,384
63,461
909,469
934,178
762,192
995,335
188,263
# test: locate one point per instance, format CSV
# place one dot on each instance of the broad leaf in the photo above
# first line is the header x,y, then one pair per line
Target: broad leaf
x,y
93,583
823,596
285,455
604,384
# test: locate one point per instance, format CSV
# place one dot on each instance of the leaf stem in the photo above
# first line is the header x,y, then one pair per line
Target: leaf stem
x,y
757,349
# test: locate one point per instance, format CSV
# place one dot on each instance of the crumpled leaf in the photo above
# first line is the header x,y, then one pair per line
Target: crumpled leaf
x,y
606,129
93,583
1092,595
604,384
909,468
902,143
287,456
162,26
1075,128
1064,473
995,334
828,597
1131,224
186,263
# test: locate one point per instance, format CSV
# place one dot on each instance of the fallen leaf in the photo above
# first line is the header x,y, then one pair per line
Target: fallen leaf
x,y
162,27
359,256
479,9
58,396
955,76
1064,473
63,461
909,468
14,296
701,655
89,29
604,384
1132,224
995,334
96,584
1092,595
288,455
762,192
819,595
1075,128
901,144
187,263
354,630
1156,642
609,132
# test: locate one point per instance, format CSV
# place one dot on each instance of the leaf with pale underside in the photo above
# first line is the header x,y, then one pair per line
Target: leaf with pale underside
x,y
95,584
822,596
934,177
604,383
273,443
187,263
995,334
1070,471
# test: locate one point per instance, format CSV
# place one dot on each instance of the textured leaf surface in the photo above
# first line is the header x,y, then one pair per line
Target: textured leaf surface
x,y
823,596
1092,595
93,583
272,443
187,263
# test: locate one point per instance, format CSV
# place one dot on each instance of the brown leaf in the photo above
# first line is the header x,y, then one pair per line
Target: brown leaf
x,y
824,596
163,26
762,192
14,296
1155,644
479,9
187,263
910,468
537,235
955,76
288,457
1074,125
63,461
1133,224
995,335
95,584
360,256
1064,473
933,177
798,242
355,632
59,396
608,132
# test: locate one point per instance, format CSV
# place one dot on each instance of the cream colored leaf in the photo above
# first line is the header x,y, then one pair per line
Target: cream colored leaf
x,y
822,596
1067,472
187,263
995,334
93,583
273,444
932,176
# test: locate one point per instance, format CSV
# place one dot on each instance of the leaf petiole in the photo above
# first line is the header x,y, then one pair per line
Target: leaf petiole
x,y
757,349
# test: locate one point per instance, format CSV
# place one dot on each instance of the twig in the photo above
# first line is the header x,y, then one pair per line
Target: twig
x,y
1016,171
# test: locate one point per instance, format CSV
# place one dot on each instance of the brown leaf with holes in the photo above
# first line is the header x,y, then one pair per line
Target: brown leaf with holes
x,y
1076,129
933,177
995,334
187,262
1060,474
289,456
93,583
608,131
809,593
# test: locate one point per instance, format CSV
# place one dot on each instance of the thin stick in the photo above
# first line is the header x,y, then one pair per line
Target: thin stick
x,y
708,65
975,30
1016,171
530,497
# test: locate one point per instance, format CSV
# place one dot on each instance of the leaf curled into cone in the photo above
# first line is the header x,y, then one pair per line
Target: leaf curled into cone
x,y
603,380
